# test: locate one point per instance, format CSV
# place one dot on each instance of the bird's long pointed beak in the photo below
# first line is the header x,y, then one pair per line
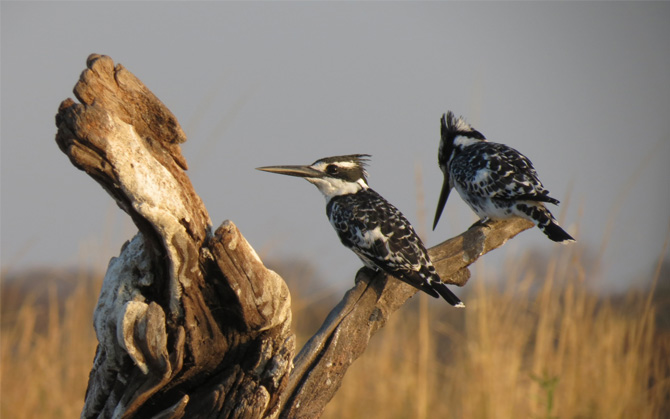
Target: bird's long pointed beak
x,y
299,171
444,194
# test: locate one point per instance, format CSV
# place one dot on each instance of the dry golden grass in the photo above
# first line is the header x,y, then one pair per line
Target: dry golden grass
x,y
540,346
556,352
47,351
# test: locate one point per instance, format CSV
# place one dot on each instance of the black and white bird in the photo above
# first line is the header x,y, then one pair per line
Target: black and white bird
x,y
495,180
366,223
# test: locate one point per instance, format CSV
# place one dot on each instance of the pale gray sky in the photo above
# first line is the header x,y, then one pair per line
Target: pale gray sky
x,y
583,89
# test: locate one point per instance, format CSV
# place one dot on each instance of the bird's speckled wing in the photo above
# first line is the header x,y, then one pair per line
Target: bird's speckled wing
x,y
496,171
377,232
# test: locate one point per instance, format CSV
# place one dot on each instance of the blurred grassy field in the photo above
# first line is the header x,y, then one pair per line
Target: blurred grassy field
x,y
537,345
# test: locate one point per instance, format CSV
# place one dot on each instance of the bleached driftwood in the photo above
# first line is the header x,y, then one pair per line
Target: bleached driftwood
x,y
190,323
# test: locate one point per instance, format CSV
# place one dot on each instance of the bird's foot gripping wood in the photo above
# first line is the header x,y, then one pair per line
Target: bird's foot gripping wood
x,y
482,222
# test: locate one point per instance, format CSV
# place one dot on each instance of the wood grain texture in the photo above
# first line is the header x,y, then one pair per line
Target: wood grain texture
x,y
181,331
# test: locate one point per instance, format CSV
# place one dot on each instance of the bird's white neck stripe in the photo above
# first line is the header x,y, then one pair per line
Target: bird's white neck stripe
x,y
331,187
463,141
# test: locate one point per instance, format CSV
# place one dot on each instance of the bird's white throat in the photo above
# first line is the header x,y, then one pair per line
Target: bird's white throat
x,y
331,187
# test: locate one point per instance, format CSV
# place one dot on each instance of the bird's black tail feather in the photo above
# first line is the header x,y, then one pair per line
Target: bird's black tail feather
x,y
446,293
545,221
555,232
434,288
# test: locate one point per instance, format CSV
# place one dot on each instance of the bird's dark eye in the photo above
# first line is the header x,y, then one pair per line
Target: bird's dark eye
x,y
331,169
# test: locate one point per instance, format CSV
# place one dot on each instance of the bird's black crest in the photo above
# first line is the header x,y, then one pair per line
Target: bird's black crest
x,y
360,159
453,127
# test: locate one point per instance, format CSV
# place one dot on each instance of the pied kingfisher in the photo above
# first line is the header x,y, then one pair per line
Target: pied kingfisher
x,y
495,180
366,223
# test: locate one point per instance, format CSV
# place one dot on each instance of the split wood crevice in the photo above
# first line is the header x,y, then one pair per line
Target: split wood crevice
x,y
190,323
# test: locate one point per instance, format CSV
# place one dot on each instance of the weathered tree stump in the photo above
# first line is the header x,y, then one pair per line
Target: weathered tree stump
x,y
190,323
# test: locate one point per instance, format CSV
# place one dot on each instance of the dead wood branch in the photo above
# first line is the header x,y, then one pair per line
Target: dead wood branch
x,y
190,323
